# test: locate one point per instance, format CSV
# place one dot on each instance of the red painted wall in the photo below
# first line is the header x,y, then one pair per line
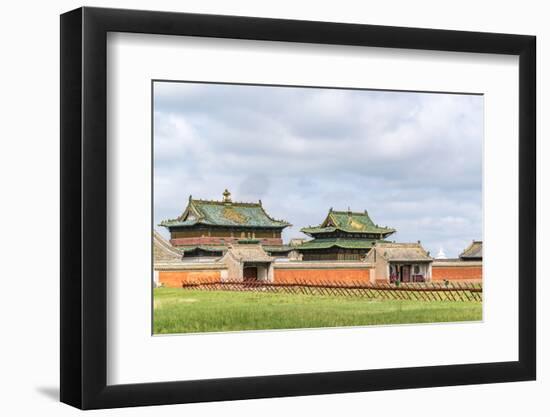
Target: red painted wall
x,y
175,279
314,276
457,273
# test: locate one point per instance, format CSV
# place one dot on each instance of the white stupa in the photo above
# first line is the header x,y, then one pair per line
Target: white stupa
x,y
441,254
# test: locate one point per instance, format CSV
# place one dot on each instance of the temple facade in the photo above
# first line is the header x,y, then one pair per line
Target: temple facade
x,y
400,262
342,236
207,227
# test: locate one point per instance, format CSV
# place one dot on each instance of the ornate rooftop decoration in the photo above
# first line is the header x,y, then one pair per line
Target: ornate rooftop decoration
x,y
226,196
225,213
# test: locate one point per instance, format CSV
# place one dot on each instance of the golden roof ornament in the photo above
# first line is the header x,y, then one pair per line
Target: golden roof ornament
x,y
226,196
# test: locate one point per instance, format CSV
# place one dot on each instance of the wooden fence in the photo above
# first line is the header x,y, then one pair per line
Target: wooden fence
x,y
417,291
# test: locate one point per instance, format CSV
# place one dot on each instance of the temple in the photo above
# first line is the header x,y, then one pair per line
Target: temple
x,y
217,241
207,227
342,236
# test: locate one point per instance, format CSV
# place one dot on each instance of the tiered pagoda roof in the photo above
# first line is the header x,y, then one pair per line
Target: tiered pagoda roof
x,y
348,222
346,230
225,213
321,243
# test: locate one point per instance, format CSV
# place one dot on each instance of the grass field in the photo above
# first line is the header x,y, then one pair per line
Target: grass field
x,y
190,311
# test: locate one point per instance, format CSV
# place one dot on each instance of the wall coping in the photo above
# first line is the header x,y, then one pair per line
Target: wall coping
x,y
188,266
216,266
322,265
457,263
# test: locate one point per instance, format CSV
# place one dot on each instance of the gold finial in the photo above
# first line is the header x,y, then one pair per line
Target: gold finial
x,y
226,196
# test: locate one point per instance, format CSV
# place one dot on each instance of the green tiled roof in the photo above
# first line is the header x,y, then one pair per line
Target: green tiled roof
x,y
218,248
225,213
278,248
338,242
349,222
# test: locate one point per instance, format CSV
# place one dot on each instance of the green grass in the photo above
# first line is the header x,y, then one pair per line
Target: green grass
x,y
190,311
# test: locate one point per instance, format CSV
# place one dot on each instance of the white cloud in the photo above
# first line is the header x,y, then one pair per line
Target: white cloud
x,y
413,160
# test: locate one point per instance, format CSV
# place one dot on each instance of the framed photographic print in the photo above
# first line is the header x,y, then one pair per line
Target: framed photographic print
x,y
258,207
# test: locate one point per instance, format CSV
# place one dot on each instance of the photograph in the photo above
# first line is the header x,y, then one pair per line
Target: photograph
x,y
282,207
268,209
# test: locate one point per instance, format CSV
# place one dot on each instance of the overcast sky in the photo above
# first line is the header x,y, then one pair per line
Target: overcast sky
x,y
413,160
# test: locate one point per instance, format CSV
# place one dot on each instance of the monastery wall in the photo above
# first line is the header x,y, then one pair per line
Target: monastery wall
x,y
463,271
175,275
323,272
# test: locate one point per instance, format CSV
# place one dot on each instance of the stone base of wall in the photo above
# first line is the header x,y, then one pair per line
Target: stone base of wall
x,y
457,271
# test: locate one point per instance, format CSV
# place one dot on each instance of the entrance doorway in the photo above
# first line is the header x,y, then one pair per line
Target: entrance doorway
x,y
406,273
250,273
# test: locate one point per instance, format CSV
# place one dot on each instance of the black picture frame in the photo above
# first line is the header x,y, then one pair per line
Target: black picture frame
x,y
84,207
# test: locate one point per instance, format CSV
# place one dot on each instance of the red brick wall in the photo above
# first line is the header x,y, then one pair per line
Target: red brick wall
x,y
175,279
322,275
457,273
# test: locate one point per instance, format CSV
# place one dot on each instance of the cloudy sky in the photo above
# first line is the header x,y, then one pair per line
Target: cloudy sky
x,y
413,160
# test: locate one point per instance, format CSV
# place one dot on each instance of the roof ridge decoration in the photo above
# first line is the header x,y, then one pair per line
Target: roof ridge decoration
x,y
221,203
361,213
226,196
